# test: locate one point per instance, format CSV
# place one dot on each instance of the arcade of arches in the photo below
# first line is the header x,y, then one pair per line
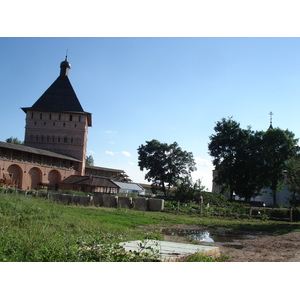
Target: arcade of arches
x,y
28,177
26,168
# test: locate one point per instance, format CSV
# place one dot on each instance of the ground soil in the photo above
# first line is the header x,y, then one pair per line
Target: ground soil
x,y
262,247
279,248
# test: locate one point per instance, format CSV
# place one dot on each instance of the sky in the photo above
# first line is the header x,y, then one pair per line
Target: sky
x,y
165,88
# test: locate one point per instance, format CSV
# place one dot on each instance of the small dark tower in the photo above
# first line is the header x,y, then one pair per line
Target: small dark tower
x,y
65,66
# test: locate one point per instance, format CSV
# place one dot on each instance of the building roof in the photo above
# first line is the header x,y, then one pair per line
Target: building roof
x,y
89,180
129,186
59,97
104,169
35,151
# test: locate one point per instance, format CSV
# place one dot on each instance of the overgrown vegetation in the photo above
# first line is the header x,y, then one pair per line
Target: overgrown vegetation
x,y
37,229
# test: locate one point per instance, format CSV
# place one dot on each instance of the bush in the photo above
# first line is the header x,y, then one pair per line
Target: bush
x,y
214,199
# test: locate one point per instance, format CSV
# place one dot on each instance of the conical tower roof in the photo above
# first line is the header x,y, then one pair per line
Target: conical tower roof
x,y
60,96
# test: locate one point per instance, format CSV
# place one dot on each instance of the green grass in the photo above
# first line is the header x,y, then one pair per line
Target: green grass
x,y
36,229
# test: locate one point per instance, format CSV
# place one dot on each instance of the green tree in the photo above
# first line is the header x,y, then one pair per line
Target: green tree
x,y
293,179
248,161
187,190
166,164
250,178
278,147
89,161
14,140
238,159
229,148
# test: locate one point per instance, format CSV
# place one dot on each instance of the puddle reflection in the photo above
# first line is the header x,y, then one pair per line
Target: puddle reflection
x,y
224,237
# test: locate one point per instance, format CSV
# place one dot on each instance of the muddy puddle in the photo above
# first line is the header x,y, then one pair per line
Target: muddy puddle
x,y
222,237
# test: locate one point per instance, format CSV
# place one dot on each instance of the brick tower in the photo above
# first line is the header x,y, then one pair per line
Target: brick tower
x,y
57,122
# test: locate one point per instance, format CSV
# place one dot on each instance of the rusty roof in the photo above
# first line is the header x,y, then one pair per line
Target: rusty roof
x,y
89,180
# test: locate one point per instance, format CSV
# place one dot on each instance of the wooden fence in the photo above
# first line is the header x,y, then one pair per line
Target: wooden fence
x,y
254,212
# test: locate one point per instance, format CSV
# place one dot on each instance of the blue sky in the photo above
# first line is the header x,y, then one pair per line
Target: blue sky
x,y
169,89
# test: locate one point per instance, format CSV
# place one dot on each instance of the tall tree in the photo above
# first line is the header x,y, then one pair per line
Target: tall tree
x,y
248,161
238,159
250,178
165,163
278,147
227,147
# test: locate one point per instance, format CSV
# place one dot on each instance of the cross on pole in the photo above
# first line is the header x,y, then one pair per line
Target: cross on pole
x,y
271,115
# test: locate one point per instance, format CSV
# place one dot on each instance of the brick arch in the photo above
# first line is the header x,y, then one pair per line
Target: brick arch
x,y
35,177
54,177
17,173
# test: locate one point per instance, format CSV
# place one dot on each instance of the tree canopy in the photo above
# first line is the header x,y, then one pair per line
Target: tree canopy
x,y
279,147
293,179
14,140
247,161
89,160
166,163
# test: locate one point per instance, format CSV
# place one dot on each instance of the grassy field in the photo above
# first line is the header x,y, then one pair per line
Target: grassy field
x,y
38,230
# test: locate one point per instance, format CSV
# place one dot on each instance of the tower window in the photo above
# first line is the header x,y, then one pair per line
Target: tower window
x,y
50,116
71,117
65,140
44,123
41,116
34,123
79,118
59,117
31,115
64,124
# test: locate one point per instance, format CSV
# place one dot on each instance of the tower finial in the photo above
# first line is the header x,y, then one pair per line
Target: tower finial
x,y
65,66
271,119
67,55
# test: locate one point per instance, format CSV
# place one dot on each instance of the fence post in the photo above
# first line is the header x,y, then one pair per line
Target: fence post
x,y
250,212
291,215
201,205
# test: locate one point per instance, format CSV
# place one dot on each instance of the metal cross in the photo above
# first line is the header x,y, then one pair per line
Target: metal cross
x,y
271,114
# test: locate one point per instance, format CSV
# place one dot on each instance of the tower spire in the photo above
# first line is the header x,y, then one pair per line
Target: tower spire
x,y
271,119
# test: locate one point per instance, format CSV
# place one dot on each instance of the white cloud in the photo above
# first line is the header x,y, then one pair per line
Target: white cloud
x,y
91,151
109,152
203,162
204,172
109,132
126,153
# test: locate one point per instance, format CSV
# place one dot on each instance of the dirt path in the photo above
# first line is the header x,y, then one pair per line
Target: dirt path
x,y
280,248
259,248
